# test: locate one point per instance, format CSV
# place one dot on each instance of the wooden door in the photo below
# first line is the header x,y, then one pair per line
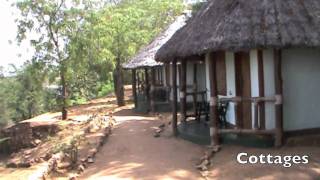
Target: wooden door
x,y
243,89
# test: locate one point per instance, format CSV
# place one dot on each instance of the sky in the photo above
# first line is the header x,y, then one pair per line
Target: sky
x,y
8,31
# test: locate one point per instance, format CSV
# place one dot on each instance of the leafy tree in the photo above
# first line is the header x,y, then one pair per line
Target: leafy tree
x,y
1,72
80,46
22,95
56,23
124,28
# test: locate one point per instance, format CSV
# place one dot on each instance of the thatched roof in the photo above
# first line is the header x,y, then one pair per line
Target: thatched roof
x,y
146,56
237,25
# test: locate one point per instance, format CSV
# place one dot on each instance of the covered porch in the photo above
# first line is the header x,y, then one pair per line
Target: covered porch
x,y
230,117
266,72
150,79
150,89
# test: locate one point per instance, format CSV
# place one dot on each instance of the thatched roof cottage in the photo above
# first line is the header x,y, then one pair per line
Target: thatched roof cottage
x,y
149,75
262,58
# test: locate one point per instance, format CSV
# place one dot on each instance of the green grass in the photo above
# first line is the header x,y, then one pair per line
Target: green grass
x,y
106,89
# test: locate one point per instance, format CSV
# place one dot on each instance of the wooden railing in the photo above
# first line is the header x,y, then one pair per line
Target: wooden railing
x,y
257,102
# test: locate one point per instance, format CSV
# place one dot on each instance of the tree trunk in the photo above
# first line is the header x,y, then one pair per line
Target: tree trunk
x,y
30,108
118,84
64,94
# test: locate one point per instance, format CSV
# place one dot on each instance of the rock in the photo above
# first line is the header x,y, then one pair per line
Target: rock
x,y
107,131
162,125
204,165
205,157
11,165
26,156
24,165
87,130
83,160
156,135
73,177
31,161
204,174
81,168
61,171
159,131
215,148
101,141
27,152
92,152
37,160
90,160
64,165
46,157
37,142
12,155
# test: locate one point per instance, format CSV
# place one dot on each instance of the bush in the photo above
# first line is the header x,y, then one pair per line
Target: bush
x,y
106,89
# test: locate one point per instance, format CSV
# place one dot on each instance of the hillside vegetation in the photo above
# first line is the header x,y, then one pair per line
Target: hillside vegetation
x,y
79,48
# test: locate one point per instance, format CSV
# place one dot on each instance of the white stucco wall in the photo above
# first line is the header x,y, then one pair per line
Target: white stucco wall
x,y
231,85
269,87
301,85
254,73
207,57
254,76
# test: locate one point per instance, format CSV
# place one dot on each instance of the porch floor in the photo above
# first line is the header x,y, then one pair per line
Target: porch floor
x,y
194,131
199,133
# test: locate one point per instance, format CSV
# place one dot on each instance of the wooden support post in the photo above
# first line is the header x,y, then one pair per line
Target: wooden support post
x,y
279,100
134,88
183,87
237,122
174,102
213,100
195,89
147,88
256,116
153,107
262,114
138,81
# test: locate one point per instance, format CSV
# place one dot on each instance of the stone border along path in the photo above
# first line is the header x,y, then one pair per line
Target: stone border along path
x,y
54,162
134,153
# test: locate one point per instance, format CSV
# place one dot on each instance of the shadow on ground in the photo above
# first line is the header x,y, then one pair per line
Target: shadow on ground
x,y
133,153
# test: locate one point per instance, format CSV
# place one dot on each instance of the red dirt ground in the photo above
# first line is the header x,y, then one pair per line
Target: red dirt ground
x,y
133,153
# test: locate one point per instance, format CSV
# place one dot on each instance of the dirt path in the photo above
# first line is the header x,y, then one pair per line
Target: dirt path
x,y
133,153
225,165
